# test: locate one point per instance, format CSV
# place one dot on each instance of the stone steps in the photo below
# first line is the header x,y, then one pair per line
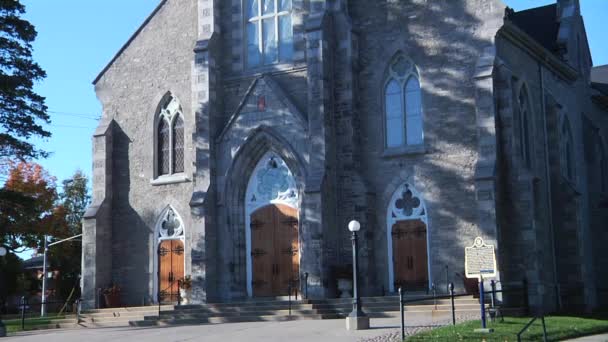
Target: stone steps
x,y
229,319
119,317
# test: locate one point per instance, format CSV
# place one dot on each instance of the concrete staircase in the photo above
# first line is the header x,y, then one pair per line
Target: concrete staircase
x,y
248,311
275,309
119,317
279,310
388,306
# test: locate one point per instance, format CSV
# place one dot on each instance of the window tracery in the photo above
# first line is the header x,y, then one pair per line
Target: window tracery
x,y
171,226
406,204
271,182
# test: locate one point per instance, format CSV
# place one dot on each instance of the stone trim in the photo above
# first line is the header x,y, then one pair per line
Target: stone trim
x,y
170,179
523,41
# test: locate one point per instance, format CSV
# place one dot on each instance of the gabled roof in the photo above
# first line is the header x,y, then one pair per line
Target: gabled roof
x,y
126,45
539,23
599,74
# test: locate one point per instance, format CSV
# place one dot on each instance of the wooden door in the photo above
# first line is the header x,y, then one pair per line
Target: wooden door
x,y
410,266
170,269
286,249
274,250
262,251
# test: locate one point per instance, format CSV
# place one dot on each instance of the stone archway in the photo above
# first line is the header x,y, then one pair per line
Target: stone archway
x,y
407,240
272,205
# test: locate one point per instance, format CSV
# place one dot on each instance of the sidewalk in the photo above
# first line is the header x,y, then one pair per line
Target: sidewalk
x,y
594,338
383,329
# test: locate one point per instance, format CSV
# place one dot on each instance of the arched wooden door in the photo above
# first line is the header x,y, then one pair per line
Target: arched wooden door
x,y
274,250
410,255
170,269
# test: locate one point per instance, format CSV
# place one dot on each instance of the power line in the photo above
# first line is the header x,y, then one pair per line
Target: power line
x,y
70,126
77,116
89,115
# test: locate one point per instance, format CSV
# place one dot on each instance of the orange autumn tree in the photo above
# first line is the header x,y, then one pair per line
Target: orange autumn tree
x,y
28,208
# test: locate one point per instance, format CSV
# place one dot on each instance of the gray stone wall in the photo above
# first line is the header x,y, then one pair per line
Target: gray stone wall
x,y
323,114
446,53
545,214
157,61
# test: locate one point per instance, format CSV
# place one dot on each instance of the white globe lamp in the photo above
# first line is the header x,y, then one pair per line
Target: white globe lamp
x,y
354,226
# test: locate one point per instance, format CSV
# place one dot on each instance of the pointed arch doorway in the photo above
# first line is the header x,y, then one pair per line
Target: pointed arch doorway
x,y
169,256
272,229
407,241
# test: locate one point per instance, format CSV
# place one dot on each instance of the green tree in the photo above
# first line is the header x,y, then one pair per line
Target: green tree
x,y
21,109
73,202
28,208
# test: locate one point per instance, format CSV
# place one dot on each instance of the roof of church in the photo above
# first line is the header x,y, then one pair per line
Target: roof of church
x,y
539,23
133,36
599,74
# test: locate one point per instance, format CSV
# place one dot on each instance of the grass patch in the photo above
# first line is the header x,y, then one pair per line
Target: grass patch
x,y
558,328
14,325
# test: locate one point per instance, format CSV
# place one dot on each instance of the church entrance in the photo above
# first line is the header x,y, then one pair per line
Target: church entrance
x,y
169,256
272,229
410,255
407,230
275,250
170,270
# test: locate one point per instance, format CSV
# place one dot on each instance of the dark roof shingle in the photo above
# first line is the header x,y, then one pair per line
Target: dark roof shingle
x,y
539,23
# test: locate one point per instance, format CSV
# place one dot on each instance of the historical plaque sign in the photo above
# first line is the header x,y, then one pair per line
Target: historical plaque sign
x,y
479,260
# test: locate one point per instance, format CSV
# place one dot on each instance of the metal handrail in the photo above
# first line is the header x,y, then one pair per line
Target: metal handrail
x,y
542,318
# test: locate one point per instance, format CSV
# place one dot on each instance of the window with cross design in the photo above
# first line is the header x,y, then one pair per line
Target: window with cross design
x,y
269,32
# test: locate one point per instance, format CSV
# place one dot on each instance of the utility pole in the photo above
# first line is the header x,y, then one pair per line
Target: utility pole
x,y
43,306
43,297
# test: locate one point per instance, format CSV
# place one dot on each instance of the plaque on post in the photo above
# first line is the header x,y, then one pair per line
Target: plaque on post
x,y
480,263
479,260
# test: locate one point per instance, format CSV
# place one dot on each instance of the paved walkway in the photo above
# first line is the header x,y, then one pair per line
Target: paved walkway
x,y
383,330
595,338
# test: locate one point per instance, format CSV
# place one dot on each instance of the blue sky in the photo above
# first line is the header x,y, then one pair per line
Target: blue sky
x,y
77,38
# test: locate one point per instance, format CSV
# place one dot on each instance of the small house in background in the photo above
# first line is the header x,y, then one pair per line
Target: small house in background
x,y
34,268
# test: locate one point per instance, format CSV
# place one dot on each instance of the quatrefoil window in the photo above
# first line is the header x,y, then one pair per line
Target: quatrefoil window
x,y
171,225
407,202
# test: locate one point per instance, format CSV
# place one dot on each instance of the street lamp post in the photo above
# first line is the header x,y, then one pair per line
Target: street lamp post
x,y
357,319
3,252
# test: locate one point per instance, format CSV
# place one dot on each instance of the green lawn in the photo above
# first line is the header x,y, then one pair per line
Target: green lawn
x,y
558,328
14,325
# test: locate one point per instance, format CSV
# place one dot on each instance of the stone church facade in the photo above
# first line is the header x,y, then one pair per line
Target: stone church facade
x,y
239,138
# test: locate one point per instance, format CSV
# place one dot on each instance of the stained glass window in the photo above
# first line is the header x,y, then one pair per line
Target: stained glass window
x,y
403,105
178,144
269,32
394,114
170,138
163,147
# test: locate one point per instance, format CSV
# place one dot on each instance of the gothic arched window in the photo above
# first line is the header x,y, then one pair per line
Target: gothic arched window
x,y
178,144
403,105
163,147
567,150
524,127
269,32
169,138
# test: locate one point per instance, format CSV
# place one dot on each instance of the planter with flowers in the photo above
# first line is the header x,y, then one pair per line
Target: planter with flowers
x,y
111,296
185,290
